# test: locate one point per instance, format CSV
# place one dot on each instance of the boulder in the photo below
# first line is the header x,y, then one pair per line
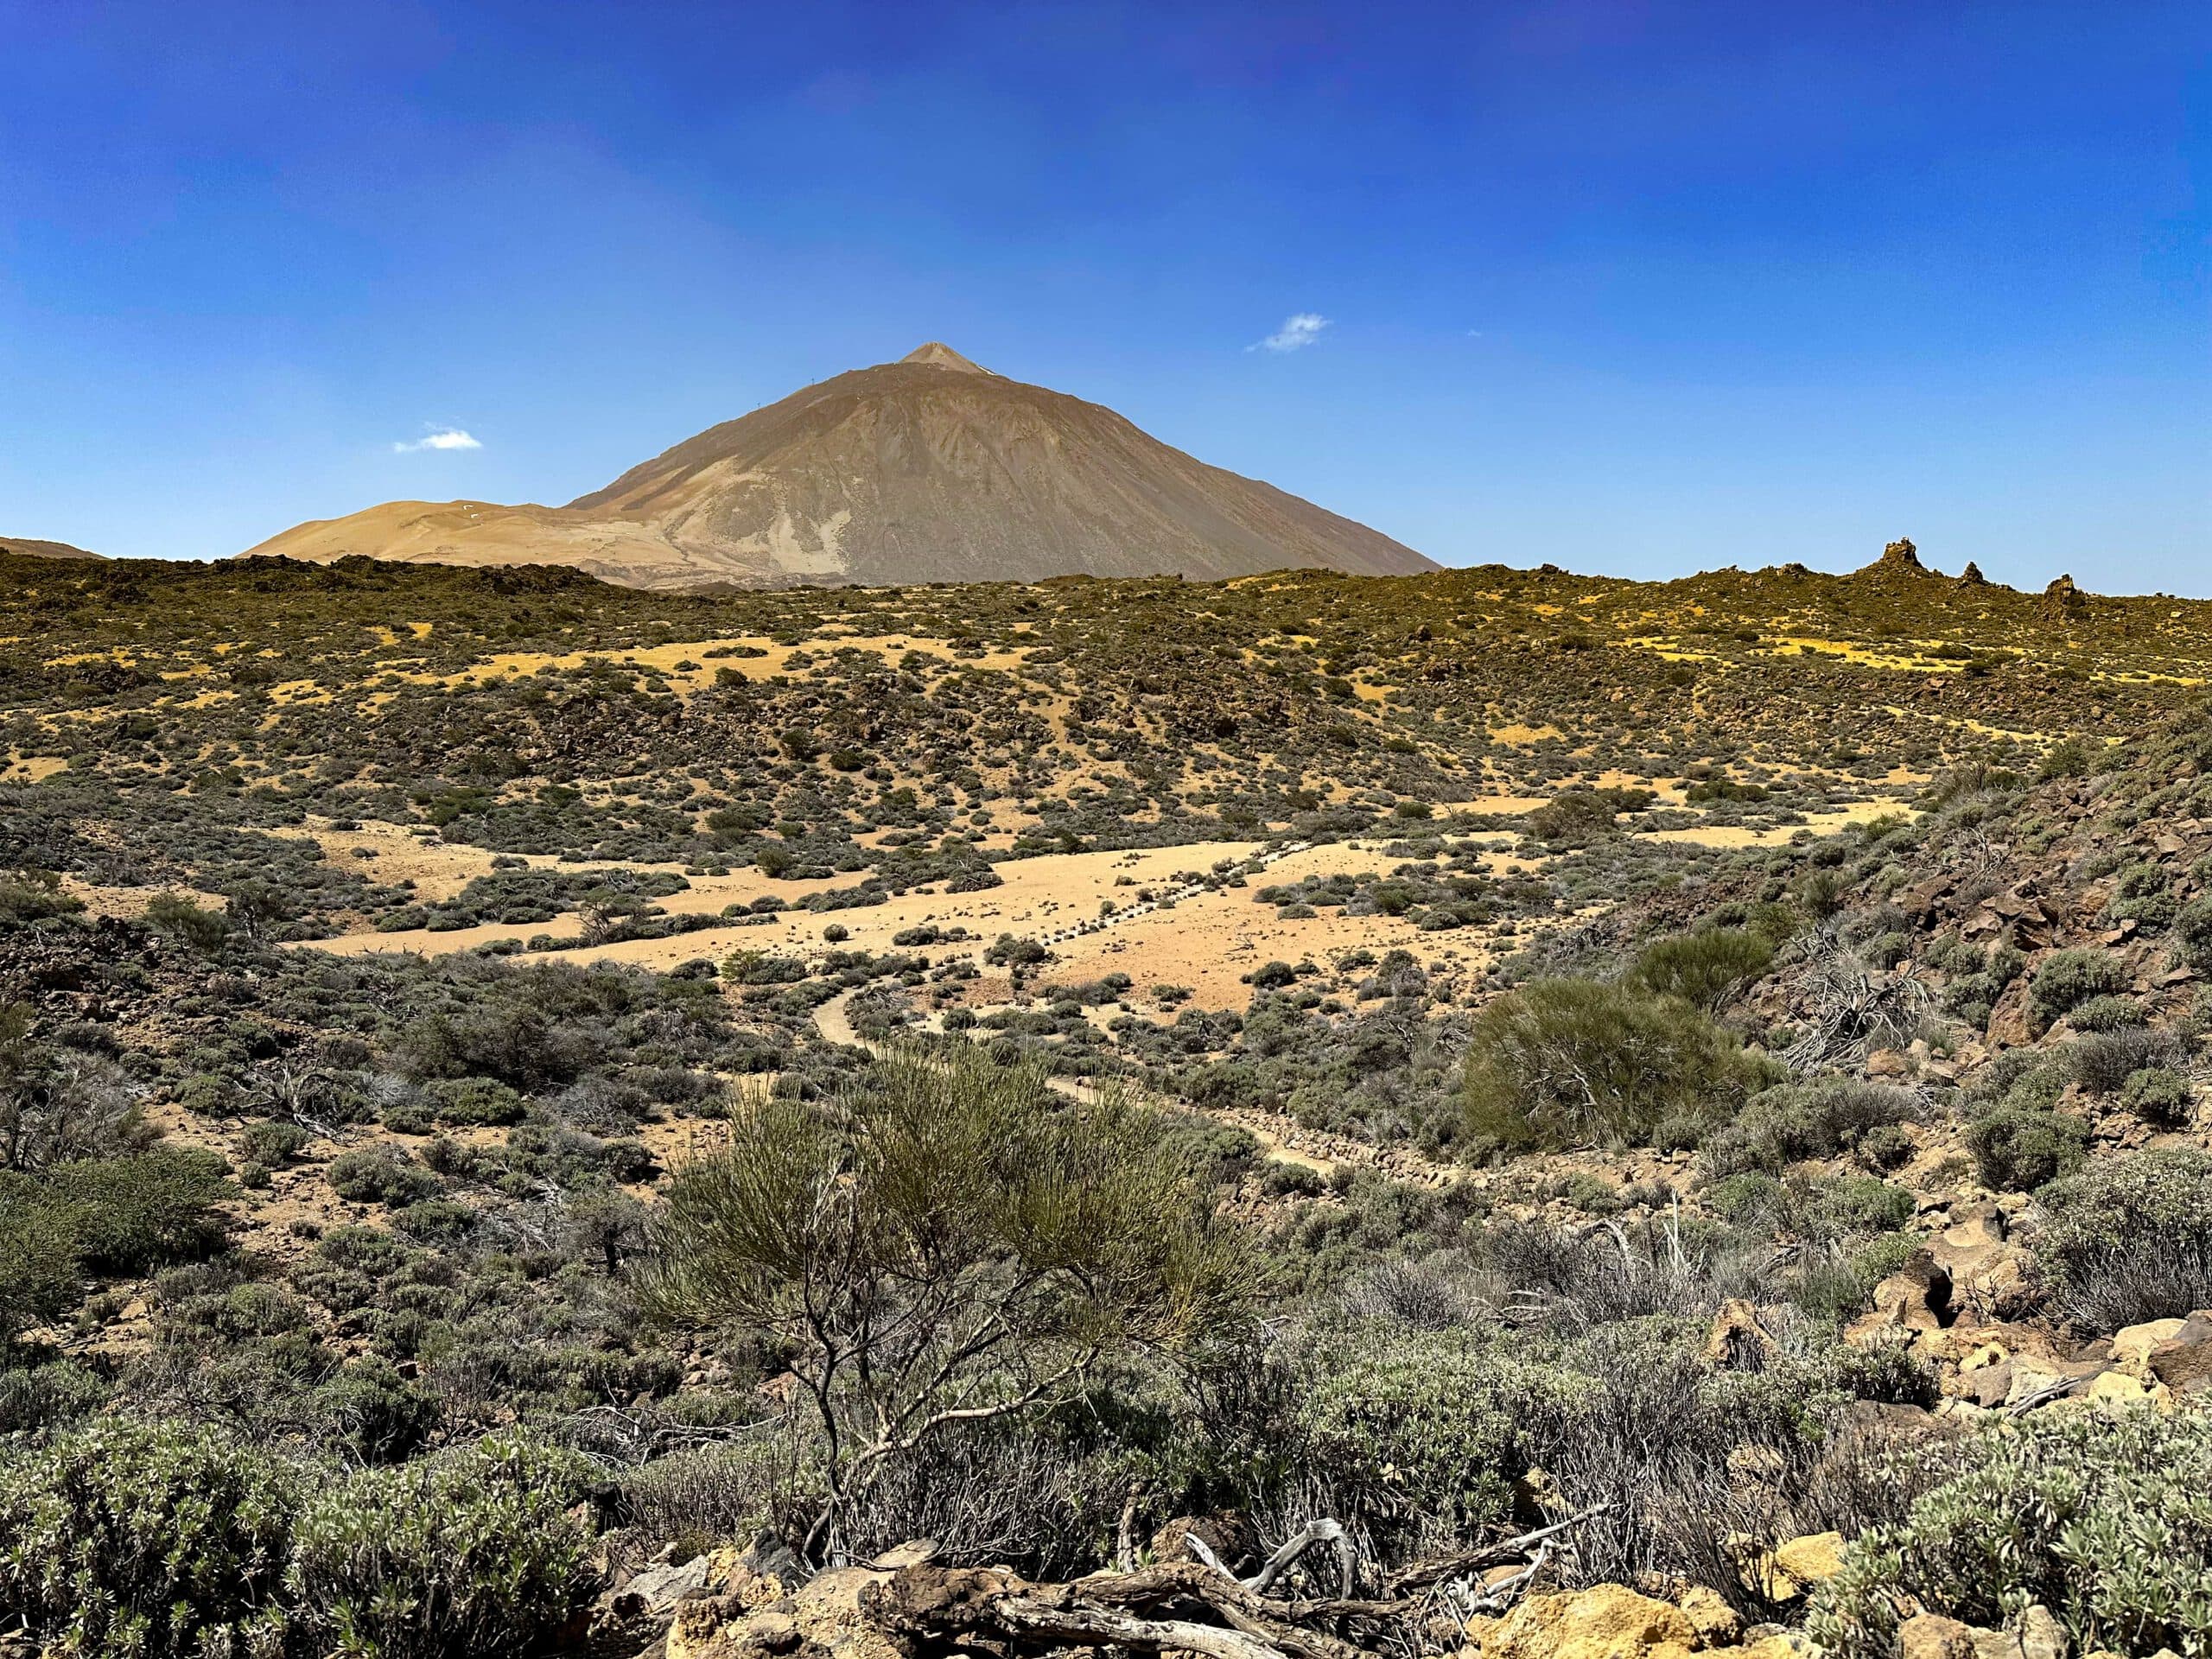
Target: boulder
x,y
1716,1623
654,1589
2184,1361
1809,1562
1931,1636
1737,1342
826,1616
1916,1298
2132,1346
1609,1621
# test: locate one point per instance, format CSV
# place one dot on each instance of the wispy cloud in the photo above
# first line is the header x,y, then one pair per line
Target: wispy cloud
x,y
445,437
1299,330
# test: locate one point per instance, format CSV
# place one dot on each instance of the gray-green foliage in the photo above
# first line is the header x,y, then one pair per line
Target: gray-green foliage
x,y
94,1216
2158,1095
148,1540
471,1552
2130,1239
1704,967
1794,1122
2105,1520
1422,1434
180,1540
2068,979
2020,1147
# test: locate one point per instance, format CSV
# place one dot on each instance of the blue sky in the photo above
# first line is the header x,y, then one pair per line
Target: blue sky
x,y
1635,288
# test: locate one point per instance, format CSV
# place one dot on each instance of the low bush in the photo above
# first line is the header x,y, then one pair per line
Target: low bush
x,y
2069,978
1418,1438
189,923
272,1144
471,1552
2192,932
381,1175
2130,1239
1795,1122
163,1540
2104,1060
2160,1097
1572,1062
2103,1519
1704,968
2019,1147
116,1216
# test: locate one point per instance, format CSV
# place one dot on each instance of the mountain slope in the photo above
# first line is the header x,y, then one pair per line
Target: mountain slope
x,y
29,549
930,469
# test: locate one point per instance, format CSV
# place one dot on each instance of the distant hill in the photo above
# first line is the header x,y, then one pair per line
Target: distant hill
x,y
28,548
929,469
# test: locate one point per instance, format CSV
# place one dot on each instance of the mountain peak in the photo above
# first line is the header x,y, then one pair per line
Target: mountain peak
x,y
886,479
938,355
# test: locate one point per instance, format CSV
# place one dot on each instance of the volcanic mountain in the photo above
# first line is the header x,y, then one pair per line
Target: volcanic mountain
x,y
928,469
26,547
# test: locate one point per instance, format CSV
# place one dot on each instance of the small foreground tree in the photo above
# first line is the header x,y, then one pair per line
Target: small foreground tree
x,y
948,1242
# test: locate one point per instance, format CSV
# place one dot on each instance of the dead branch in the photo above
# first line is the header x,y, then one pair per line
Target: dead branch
x,y
1312,1532
1198,1607
1421,1574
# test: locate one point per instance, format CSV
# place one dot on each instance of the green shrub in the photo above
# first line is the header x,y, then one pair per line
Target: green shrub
x,y
2102,1061
1571,1062
39,1281
1703,967
2129,1239
473,1554
1425,1432
475,1103
2104,1519
127,1215
2069,978
1574,818
36,1397
272,1143
381,1175
374,1413
32,895
156,1540
199,930
2020,1147
2109,1012
1795,1122
2158,1095
2192,932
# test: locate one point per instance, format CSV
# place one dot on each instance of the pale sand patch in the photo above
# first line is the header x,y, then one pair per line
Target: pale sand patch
x,y
1816,824
1207,941
439,869
129,904
32,768
1038,895
667,659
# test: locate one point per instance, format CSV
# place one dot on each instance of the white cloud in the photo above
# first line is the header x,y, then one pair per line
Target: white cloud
x,y
445,437
1300,329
